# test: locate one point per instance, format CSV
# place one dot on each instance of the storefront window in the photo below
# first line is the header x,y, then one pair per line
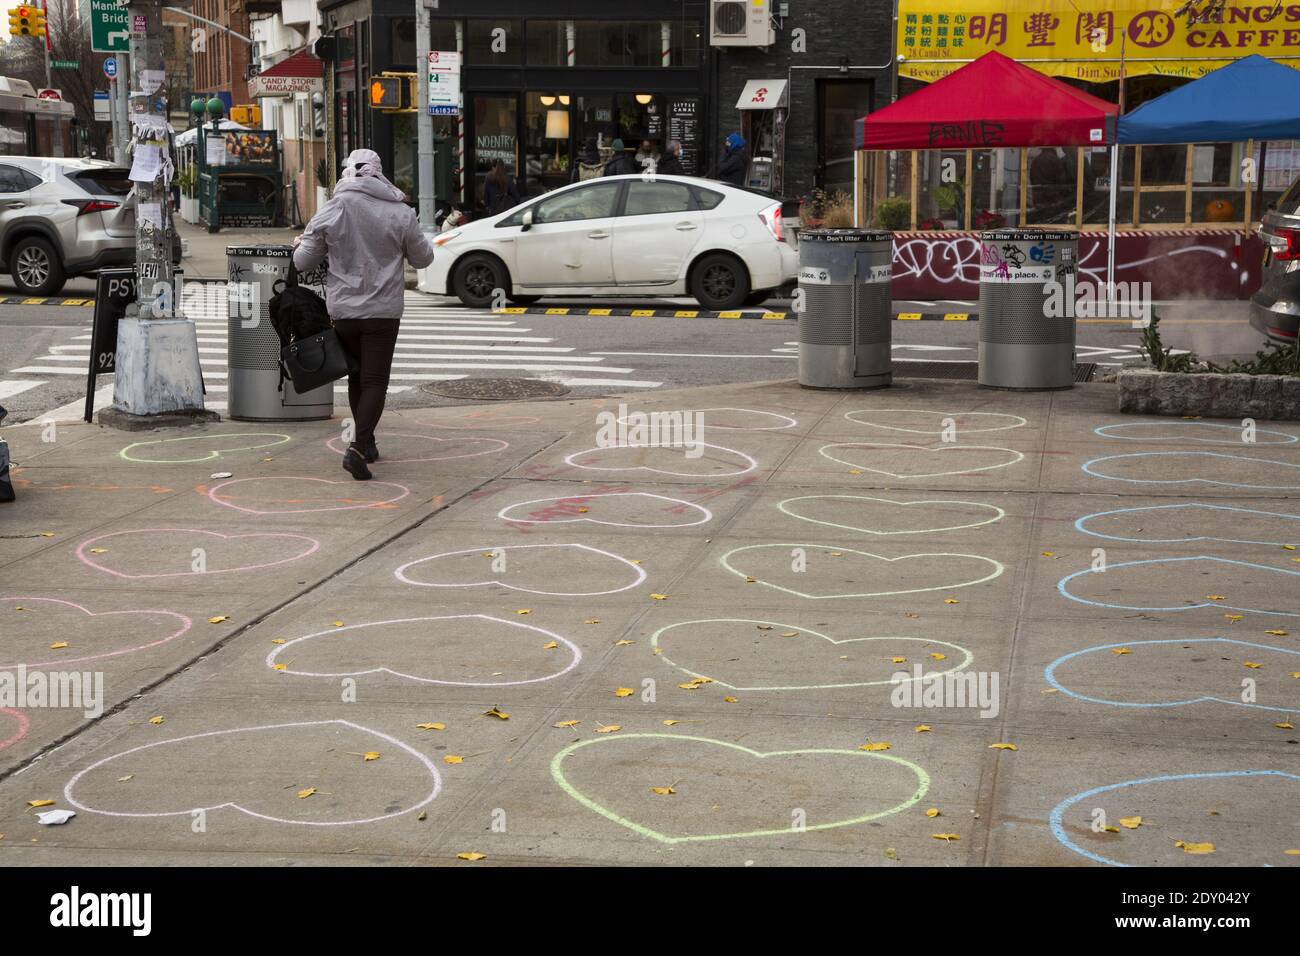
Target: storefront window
x,y
995,188
1053,184
403,43
619,43
1096,186
546,147
687,43
941,196
494,43
495,137
547,43
843,103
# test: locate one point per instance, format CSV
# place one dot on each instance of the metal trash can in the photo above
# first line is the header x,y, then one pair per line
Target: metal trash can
x,y
256,273
1027,308
845,330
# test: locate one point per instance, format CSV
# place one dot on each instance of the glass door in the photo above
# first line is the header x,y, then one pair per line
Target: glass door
x,y
496,137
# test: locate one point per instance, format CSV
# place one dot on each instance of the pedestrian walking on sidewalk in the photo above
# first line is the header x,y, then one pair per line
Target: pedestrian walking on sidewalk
x,y
367,230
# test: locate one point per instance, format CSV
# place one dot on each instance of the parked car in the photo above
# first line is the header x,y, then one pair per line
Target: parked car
x,y
1275,308
61,218
622,235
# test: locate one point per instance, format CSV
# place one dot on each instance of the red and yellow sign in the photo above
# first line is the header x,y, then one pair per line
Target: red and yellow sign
x,y
1089,39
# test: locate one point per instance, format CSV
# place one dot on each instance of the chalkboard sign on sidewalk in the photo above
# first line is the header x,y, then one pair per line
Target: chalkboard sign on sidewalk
x,y
114,291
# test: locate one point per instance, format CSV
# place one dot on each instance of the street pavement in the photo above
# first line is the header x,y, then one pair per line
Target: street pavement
x,y
520,642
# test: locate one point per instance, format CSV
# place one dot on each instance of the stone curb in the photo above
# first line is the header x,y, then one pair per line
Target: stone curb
x,y
1212,395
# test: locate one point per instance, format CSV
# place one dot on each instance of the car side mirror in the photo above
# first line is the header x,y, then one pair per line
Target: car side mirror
x,y
526,221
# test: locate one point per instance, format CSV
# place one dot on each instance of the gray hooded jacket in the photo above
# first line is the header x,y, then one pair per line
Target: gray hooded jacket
x,y
367,230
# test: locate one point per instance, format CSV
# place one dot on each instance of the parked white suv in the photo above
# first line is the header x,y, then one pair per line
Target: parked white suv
x,y
61,218
622,235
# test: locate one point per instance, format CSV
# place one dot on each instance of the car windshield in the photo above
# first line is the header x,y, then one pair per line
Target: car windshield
x,y
103,182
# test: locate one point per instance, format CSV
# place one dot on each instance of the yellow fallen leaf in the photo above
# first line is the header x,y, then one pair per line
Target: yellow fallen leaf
x,y
938,657
126,778
636,560
47,534
855,471
1288,547
304,794
946,837
1120,650
583,511
219,619
278,640
1048,554
1215,597
874,747
337,623
156,720
696,684
550,645
99,550
1285,725
431,726
922,728
660,597
453,758
1252,665
1130,823
1233,617
891,853
1196,849
1292,852
933,812
1296,674
623,643
370,755
898,660
750,579
524,610
624,692
837,554
1277,632
671,723
566,723
279,667
40,803
1003,747
663,791
1110,829
496,712
909,614
58,645
592,620
764,627
731,700
789,633
424,815
472,857
609,729
951,601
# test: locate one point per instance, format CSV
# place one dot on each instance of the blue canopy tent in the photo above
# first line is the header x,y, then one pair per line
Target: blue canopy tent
x,y
1251,98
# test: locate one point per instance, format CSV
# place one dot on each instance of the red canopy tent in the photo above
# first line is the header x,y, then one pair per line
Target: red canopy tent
x,y
990,103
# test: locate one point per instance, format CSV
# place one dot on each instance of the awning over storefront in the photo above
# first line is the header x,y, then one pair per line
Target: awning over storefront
x,y
1253,98
1091,39
993,102
300,73
763,95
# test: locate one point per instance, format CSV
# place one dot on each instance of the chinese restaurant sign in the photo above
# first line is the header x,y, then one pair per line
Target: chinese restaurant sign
x,y
1082,39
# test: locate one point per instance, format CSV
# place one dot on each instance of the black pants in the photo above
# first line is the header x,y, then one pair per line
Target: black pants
x,y
371,343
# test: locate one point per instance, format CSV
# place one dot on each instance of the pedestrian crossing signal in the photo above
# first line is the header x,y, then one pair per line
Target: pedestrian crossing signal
x,y
393,92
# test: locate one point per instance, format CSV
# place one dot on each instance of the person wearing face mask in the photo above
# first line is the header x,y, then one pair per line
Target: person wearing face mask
x,y
368,232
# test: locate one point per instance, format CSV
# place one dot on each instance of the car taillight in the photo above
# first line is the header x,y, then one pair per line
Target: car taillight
x,y
1292,248
772,219
90,205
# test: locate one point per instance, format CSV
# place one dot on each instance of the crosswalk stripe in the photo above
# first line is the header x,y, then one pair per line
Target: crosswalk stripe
x,y
12,387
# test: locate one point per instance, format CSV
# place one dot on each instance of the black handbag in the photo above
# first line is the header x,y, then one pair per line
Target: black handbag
x,y
317,360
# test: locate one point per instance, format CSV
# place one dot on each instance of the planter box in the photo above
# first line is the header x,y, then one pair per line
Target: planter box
x,y
1212,395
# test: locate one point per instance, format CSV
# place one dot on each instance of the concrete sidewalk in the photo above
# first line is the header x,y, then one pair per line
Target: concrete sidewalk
x,y
515,642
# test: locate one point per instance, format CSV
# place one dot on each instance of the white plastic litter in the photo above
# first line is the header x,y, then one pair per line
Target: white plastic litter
x,y
222,474
55,817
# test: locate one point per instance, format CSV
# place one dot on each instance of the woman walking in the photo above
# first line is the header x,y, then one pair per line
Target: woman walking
x,y
367,230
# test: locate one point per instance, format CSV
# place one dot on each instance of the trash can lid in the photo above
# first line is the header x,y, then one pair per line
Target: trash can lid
x,y
845,235
1028,235
270,251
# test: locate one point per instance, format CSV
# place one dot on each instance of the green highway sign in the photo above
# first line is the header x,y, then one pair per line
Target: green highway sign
x,y
110,31
65,64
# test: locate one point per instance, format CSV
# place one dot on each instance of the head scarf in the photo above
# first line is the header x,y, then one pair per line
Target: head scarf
x,y
365,163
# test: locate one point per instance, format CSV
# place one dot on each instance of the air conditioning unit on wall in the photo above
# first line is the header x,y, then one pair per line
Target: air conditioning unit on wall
x,y
741,23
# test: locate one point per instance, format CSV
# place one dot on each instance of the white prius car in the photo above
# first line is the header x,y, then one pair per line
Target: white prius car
x,y
621,235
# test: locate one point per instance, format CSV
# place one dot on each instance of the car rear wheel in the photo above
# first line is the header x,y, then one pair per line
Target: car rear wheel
x,y
719,282
476,280
35,267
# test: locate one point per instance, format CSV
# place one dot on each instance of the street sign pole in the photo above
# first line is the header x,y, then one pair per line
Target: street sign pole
x,y
122,107
423,121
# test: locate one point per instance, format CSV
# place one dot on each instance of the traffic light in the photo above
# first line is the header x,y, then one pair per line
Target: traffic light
x,y
27,22
393,92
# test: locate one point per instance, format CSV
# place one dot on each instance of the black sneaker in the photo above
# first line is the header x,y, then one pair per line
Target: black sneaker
x,y
355,465
371,454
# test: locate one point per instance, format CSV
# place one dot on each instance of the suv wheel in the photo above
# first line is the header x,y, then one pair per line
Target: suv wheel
x,y
476,280
35,267
719,282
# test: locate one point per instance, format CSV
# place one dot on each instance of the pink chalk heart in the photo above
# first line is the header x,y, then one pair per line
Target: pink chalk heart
x,y
176,546
289,495
28,633
14,723
412,447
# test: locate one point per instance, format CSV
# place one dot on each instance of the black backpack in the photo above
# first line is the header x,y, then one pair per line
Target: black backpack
x,y
296,313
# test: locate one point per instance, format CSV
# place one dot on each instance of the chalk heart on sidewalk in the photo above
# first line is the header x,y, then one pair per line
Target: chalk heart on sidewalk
x,y
737,419
137,555
26,635
260,771
619,509
754,793
1157,673
762,660
453,650
1194,521
1197,467
290,495
529,568
715,461
14,725
1182,584
406,447
1208,433
199,448
920,461
833,572
888,516
1261,803
919,421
